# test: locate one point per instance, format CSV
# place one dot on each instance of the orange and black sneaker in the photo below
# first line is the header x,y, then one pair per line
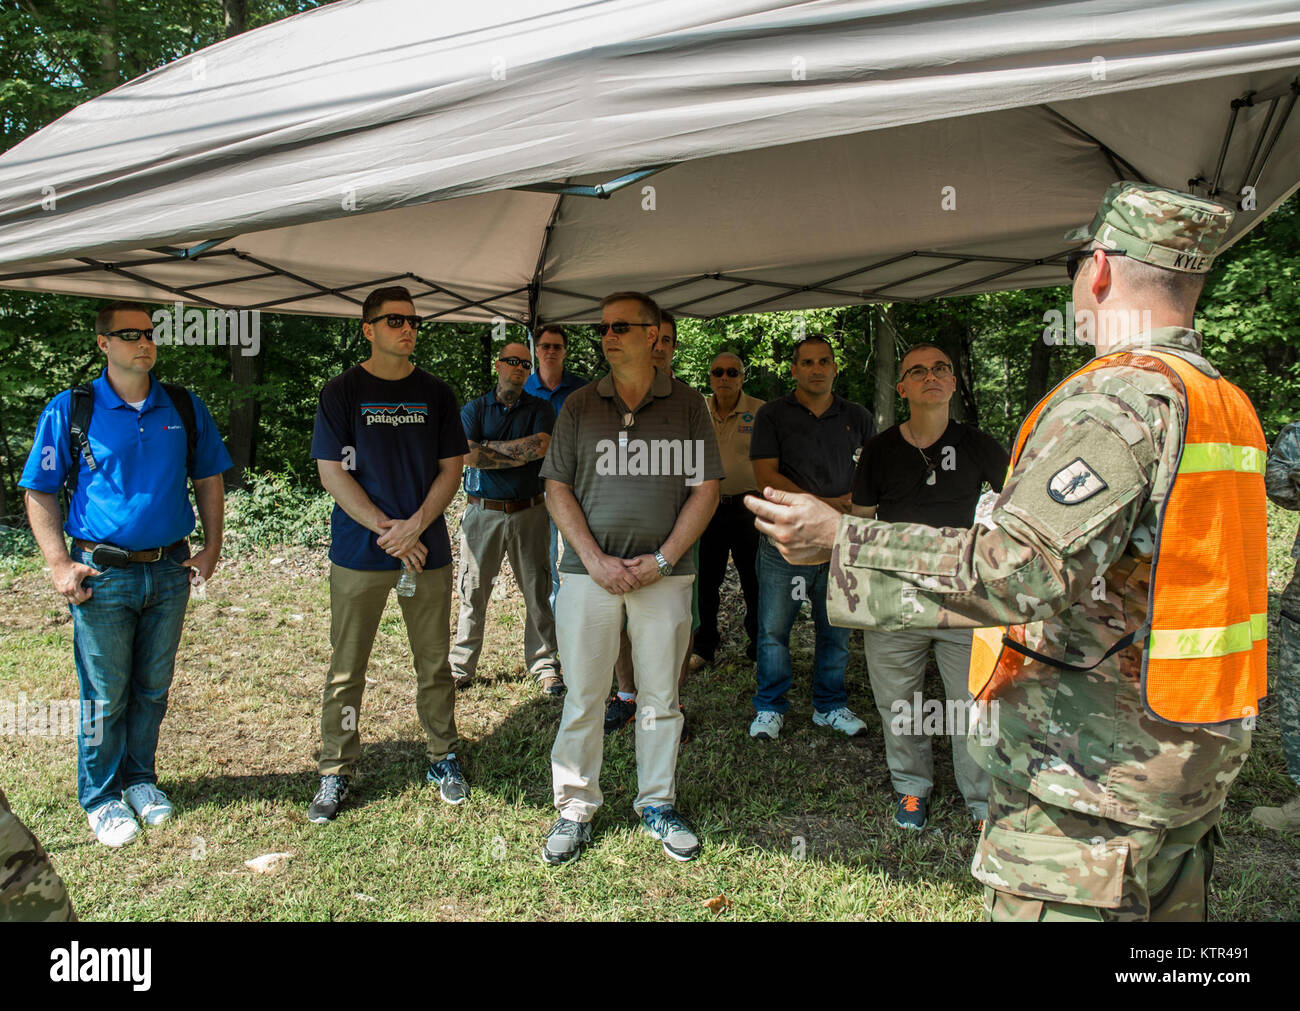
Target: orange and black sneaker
x,y
911,812
687,736
619,713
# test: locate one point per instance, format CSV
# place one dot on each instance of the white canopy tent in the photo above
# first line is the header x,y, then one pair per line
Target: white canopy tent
x,y
522,158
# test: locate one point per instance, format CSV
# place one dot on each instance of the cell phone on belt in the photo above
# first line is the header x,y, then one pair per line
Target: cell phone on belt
x,y
106,554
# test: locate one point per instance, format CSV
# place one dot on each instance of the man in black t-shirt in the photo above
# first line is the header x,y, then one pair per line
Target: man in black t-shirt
x,y
928,469
388,444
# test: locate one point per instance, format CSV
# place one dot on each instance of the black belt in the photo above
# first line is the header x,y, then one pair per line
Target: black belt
x,y
147,555
728,499
506,505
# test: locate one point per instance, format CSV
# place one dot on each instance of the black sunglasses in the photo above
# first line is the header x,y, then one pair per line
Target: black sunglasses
x,y
396,319
1076,257
129,334
719,372
619,327
519,363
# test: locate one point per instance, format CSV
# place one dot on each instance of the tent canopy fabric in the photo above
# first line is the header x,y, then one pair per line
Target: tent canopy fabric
x,y
520,159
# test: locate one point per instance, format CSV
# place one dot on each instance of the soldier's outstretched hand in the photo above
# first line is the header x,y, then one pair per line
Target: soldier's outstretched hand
x,y
802,527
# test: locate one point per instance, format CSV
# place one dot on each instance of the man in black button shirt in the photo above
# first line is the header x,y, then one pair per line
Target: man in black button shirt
x,y
928,469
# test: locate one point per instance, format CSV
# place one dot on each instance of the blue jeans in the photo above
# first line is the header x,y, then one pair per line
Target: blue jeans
x,y
782,589
124,641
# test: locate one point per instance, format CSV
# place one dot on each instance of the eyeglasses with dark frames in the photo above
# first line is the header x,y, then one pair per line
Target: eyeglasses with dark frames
x,y
396,319
129,334
1075,258
940,370
619,327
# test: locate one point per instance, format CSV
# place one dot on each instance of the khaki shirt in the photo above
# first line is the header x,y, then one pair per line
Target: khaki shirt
x,y
734,432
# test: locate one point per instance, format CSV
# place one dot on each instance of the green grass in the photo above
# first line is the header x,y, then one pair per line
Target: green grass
x,y
797,830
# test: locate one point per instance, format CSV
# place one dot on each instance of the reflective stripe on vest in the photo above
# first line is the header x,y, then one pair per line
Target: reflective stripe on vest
x,y
1205,656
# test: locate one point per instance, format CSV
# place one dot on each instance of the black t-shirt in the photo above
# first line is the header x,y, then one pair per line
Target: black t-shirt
x,y
389,434
893,476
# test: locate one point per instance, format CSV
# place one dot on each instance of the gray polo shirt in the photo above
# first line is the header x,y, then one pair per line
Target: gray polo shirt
x,y
819,454
632,470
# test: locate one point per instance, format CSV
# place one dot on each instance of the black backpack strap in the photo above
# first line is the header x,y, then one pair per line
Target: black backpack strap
x,y
1123,643
185,408
80,408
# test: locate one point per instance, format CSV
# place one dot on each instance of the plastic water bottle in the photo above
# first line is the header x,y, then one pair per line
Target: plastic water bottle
x,y
406,585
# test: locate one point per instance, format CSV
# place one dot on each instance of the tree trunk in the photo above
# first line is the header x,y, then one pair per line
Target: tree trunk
x,y
886,354
109,76
955,339
1036,379
236,16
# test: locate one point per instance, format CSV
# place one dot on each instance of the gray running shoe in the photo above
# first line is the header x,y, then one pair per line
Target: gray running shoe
x,y
565,841
325,805
671,829
451,781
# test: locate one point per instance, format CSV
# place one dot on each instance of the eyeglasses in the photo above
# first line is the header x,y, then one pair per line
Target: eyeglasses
x,y
719,372
519,363
1076,257
942,370
129,334
619,327
396,319
550,347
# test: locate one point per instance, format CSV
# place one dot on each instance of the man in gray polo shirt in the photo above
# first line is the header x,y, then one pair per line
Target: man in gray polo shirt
x,y
632,476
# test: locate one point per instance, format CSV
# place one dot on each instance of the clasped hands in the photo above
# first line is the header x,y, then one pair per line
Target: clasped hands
x,y
401,539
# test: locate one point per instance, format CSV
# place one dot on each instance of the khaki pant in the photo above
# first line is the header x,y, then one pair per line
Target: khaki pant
x,y
1041,862
357,599
589,621
896,666
486,537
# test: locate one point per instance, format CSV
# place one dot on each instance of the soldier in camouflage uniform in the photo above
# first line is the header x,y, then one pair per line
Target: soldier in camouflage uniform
x,y
1282,481
30,890
1097,810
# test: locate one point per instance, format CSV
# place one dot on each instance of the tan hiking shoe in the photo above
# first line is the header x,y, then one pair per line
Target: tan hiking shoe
x,y
1280,819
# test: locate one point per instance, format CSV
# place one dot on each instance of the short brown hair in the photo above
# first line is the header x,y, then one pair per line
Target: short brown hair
x,y
649,307
667,317
379,296
104,317
811,339
923,346
556,329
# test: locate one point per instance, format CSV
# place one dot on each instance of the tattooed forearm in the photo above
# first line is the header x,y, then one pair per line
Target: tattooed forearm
x,y
503,455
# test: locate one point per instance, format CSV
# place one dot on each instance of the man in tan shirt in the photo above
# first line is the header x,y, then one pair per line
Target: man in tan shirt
x,y
731,531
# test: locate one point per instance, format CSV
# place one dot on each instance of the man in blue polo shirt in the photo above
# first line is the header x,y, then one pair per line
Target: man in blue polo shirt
x,y
508,433
127,580
806,441
553,383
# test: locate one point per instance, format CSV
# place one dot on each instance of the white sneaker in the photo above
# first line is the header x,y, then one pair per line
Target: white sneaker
x,y
113,823
841,719
767,725
149,802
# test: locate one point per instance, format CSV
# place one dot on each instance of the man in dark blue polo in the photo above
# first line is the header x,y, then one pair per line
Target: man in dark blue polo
x,y
553,383
806,441
127,580
505,515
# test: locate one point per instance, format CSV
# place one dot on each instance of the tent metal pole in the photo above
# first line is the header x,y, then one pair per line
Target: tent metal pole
x,y
141,279
535,285
1112,155
600,191
1277,132
1259,141
1237,103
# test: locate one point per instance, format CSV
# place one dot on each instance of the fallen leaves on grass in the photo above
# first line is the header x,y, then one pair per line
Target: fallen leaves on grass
x,y
268,863
717,904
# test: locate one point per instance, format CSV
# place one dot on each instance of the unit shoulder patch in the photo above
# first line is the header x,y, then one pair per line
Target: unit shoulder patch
x,y
1076,482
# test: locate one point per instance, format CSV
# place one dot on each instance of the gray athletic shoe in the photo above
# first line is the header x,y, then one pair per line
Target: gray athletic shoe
x,y
451,781
565,841
671,829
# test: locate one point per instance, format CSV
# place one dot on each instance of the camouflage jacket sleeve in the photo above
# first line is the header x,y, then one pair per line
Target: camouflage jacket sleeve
x,y
1067,512
1282,473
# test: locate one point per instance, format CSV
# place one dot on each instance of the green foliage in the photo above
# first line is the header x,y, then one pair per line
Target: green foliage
x,y
274,511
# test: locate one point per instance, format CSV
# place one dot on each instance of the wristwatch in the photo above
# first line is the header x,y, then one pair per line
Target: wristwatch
x,y
664,568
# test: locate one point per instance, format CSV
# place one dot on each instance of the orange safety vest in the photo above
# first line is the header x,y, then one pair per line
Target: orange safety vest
x,y
1204,660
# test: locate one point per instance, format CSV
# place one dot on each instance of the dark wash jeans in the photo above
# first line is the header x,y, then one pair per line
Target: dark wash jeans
x,y
124,641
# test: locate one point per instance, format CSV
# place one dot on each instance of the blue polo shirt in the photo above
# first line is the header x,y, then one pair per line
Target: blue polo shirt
x,y
486,419
556,397
137,497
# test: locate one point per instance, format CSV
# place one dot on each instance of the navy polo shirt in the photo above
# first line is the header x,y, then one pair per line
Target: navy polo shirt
x,y
486,419
137,497
818,453
556,397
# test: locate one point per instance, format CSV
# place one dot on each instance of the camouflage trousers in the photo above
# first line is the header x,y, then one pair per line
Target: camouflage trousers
x,y
1040,862
1284,678
30,890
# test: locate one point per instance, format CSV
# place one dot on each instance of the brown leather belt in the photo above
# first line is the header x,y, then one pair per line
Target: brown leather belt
x,y
148,555
507,505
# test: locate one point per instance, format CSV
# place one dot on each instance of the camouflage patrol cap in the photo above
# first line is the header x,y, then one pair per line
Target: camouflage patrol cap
x,y
1159,226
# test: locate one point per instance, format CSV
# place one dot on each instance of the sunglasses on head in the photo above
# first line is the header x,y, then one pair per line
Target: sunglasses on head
x,y
519,363
396,319
619,327
719,372
1075,258
940,371
129,334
